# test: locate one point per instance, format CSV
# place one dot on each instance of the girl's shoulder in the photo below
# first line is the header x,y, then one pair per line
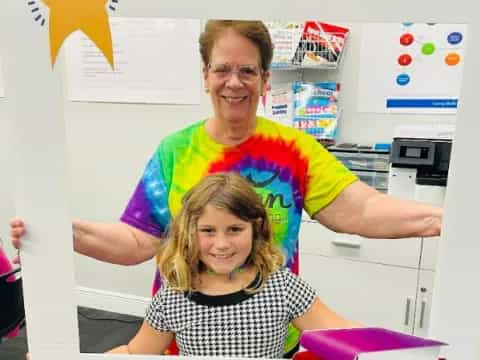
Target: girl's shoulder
x,y
166,292
281,275
285,278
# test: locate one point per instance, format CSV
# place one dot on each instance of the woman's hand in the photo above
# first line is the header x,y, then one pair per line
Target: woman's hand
x,y
17,231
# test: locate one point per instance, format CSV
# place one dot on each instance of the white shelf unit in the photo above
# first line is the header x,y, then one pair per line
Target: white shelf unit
x,y
310,44
315,45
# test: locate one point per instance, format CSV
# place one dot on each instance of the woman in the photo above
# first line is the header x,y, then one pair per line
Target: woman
x,y
288,168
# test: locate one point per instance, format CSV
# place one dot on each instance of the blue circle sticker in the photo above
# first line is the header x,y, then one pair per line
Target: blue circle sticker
x,y
403,79
454,38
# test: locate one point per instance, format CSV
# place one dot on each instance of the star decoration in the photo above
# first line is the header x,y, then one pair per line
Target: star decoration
x,y
88,16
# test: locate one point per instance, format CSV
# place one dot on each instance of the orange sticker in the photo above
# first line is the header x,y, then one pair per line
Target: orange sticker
x,y
452,59
88,16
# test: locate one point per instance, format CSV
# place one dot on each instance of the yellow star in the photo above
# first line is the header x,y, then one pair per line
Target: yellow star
x,y
89,16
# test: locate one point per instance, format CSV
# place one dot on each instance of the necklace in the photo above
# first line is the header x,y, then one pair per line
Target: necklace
x,y
238,269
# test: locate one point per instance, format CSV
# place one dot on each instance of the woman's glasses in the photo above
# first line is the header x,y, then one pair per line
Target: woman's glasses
x,y
245,73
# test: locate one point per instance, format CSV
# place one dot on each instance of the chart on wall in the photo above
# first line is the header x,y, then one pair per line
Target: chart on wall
x,y
411,67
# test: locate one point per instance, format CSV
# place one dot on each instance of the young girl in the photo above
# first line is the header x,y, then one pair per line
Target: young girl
x,y
226,292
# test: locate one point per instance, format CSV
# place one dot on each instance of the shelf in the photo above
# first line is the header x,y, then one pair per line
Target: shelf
x,y
364,161
307,45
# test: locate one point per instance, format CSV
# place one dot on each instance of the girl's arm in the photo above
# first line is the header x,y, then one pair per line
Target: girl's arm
x,y
146,341
319,316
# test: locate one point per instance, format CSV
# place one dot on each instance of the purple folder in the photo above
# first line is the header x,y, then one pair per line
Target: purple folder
x,y
349,344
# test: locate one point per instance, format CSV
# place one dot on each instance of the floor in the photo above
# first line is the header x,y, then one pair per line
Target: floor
x,y
99,331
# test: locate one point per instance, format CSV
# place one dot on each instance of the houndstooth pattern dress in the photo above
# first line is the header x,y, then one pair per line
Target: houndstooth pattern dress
x,y
238,324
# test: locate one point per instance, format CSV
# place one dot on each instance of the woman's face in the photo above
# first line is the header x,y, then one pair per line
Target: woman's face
x,y
234,78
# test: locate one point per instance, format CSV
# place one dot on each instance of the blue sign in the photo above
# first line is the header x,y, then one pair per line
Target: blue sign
x,y
422,103
454,38
403,79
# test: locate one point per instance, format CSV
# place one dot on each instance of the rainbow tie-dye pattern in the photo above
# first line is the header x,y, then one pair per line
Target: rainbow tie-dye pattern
x,y
289,169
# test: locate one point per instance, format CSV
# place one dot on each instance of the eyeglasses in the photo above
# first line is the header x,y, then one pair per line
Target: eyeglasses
x,y
245,73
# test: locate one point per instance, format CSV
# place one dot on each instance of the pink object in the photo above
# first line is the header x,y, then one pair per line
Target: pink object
x,y
368,343
6,266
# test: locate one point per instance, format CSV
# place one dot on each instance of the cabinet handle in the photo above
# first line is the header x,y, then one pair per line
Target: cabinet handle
x,y
422,313
407,311
347,242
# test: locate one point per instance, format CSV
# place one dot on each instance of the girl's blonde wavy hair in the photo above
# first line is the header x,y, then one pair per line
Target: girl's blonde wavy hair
x,y
179,261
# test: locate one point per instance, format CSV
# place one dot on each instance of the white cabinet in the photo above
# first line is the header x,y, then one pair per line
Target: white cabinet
x,y
372,294
424,302
432,195
381,282
317,239
429,253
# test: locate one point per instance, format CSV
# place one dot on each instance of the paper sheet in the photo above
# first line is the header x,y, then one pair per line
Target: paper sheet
x,y
410,67
277,103
156,61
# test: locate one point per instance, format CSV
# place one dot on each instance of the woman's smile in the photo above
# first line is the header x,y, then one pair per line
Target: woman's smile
x,y
234,99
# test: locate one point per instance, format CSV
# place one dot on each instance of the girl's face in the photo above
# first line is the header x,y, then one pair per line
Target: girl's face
x,y
225,241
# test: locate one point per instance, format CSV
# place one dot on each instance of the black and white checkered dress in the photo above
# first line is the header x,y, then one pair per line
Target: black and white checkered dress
x,y
237,324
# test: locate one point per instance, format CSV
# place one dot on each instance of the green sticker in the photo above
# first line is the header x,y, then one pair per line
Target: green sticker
x,y
428,48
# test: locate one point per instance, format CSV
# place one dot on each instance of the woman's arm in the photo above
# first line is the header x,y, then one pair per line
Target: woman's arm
x,y
116,243
146,341
319,316
362,210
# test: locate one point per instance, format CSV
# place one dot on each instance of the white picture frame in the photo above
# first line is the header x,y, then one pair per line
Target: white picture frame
x,y
35,105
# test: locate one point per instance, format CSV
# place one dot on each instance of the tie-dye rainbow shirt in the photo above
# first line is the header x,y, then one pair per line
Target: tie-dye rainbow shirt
x,y
288,168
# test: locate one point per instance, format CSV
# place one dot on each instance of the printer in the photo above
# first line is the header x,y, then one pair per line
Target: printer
x,y
419,162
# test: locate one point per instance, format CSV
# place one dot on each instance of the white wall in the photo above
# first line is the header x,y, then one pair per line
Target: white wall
x,y
109,145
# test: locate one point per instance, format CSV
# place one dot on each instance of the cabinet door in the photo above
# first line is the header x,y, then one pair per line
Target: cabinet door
x,y
424,303
435,196
372,294
429,253
315,238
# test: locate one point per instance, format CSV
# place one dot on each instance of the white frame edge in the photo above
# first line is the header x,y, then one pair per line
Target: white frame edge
x,y
34,99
